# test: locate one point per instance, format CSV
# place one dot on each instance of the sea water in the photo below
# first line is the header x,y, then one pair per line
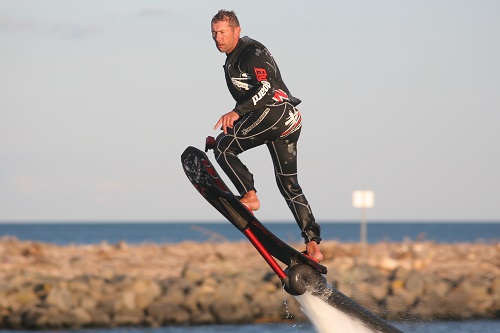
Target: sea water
x,y
473,326
168,233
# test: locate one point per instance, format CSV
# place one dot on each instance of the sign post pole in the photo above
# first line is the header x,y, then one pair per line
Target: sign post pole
x,y
363,200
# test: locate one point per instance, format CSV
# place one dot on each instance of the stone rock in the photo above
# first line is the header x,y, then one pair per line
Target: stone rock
x,y
424,309
495,286
13,320
95,284
82,317
193,274
396,307
78,285
41,317
108,305
87,303
201,316
388,264
46,286
99,318
415,283
128,317
60,298
145,292
19,301
108,273
264,303
167,313
228,313
127,299
379,290
368,302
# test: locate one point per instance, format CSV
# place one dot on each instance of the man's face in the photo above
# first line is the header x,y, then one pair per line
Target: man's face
x,y
224,36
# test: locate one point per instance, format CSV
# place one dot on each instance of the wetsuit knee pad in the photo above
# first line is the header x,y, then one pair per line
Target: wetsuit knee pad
x,y
289,185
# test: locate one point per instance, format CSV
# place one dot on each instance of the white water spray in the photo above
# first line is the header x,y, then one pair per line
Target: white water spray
x,y
329,310
328,319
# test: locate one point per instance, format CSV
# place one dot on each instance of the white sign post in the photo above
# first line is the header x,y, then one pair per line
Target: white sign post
x,y
363,200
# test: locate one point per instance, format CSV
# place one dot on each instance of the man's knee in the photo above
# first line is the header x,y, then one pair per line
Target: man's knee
x,y
226,145
289,185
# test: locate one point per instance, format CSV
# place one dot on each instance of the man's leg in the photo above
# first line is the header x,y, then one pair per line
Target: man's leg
x,y
226,151
284,155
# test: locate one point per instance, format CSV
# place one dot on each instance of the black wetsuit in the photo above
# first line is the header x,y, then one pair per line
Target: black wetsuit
x,y
268,115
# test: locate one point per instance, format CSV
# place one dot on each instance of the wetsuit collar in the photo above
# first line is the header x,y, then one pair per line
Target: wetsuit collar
x,y
235,48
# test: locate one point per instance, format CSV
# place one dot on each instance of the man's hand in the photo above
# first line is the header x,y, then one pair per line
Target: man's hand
x,y
227,121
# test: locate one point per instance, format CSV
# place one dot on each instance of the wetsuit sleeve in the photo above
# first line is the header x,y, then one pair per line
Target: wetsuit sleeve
x,y
262,69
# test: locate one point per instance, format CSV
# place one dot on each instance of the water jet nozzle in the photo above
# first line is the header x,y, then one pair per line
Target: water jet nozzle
x,y
301,278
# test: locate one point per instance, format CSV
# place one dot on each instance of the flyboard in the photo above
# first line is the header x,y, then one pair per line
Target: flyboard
x,y
202,174
302,273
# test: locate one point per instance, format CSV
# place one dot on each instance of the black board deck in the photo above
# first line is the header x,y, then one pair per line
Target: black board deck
x,y
202,174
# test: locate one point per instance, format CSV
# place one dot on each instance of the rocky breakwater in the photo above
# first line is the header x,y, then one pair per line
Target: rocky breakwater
x,y
49,286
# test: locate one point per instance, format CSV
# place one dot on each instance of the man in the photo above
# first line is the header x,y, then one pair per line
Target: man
x,y
265,113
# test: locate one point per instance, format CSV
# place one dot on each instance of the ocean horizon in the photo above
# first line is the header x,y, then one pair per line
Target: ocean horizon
x,y
201,231
222,221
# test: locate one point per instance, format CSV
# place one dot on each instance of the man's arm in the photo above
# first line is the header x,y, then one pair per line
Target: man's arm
x,y
262,68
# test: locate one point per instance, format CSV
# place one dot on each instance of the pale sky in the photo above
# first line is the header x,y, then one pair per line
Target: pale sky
x,y
98,99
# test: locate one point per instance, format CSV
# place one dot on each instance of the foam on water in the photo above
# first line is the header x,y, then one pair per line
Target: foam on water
x,y
328,319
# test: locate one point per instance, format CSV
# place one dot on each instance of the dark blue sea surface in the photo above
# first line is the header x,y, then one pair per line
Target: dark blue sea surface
x,y
136,233
472,326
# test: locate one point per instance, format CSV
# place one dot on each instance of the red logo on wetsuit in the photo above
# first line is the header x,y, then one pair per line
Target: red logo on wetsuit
x,y
280,95
260,74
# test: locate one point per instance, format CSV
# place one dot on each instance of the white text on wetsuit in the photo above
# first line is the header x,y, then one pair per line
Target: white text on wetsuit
x,y
262,92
